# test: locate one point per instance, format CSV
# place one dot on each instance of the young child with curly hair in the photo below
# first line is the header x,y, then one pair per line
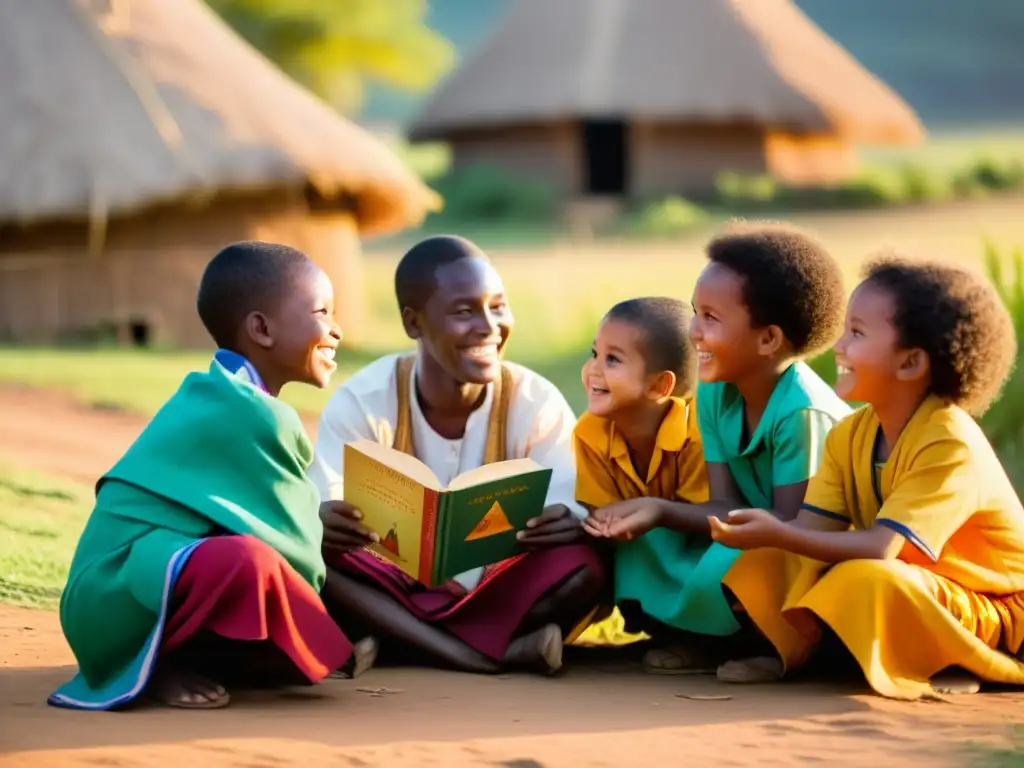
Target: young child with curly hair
x,y
770,297
909,545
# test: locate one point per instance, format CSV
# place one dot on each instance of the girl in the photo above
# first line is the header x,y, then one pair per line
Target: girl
x,y
910,542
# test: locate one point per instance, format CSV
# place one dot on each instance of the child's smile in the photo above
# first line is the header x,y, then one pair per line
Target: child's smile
x,y
614,376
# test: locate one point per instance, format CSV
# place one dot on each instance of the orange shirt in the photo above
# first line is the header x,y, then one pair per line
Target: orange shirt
x,y
605,472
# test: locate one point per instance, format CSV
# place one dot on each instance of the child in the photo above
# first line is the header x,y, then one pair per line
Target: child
x,y
910,542
639,438
202,555
770,297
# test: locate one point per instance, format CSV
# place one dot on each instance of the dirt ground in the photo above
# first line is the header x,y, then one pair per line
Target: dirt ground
x,y
601,712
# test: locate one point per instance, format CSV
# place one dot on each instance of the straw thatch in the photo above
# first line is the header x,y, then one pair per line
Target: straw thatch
x,y
698,61
114,106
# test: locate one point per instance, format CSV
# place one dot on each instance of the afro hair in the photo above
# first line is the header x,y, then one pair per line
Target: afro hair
x,y
789,280
958,319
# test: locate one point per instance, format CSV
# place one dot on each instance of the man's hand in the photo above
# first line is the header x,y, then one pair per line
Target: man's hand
x,y
342,530
555,526
624,520
748,529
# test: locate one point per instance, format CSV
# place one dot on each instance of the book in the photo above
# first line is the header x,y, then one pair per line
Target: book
x,y
433,532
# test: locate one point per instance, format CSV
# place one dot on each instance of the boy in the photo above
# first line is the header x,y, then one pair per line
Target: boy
x,y
202,555
639,438
770,297
455,404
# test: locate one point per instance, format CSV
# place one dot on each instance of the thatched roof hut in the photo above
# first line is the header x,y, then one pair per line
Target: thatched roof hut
x,y
136,138
637,96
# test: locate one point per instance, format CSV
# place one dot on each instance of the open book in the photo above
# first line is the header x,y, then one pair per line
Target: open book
x,y
434,533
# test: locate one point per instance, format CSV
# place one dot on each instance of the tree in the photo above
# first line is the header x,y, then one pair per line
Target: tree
x,y
335,46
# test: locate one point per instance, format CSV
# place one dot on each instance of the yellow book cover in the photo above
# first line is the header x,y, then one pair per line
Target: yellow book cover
x,y
434,532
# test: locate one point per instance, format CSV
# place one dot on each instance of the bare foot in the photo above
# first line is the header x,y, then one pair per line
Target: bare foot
x,y
678,660
174,686
762,669
540,650
364,654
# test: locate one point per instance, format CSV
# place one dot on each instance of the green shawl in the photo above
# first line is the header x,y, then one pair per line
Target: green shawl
x,y
220,456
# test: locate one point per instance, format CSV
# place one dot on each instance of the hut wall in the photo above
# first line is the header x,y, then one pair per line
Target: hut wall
x,y
548,152
809,159
53,289
685,159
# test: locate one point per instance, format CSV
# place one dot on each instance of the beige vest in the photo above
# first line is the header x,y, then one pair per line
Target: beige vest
x,y
497,426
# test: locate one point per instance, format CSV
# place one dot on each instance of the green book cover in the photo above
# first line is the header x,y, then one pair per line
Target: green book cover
x,y
478,523
434,532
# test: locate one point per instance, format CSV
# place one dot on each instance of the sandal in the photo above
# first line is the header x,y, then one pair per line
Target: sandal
x,y
761,669
676,660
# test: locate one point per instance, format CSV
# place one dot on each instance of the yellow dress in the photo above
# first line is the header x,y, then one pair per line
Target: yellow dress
x,y
652,568
955,594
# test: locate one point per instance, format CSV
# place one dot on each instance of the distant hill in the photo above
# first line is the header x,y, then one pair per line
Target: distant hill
x,y
958,62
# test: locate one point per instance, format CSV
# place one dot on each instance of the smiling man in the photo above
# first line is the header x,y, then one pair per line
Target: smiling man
x,y
455,405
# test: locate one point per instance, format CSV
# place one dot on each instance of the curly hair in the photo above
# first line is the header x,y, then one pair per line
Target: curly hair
x,y
665,325
958,319
789,280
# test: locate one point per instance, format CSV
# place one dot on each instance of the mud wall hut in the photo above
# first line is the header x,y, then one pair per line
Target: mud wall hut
x,y
137,137
642,97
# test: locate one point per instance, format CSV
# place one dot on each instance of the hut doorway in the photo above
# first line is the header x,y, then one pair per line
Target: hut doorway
x,y
604,153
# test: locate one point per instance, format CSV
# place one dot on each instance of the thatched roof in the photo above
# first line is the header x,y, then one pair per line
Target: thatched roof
x,y
111,106
759,61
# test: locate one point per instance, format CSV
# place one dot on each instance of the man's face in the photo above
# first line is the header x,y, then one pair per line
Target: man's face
x,y
466,321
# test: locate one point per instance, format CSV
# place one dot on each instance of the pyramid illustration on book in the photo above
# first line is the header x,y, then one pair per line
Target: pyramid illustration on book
x,y
390,542
492,523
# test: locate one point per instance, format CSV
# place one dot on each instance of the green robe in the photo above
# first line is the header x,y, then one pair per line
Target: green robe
x,y
220,456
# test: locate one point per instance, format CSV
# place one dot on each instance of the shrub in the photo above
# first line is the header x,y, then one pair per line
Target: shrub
x,y
665,218
487,193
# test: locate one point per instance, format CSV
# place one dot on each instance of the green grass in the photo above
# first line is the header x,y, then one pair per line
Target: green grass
x,y
134,379
40,525
951,150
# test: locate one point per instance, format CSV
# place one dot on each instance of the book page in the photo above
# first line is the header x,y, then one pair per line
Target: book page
x,y
499,470
408,465
392,504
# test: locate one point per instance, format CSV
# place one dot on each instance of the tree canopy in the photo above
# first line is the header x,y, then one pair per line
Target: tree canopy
x,y
335,47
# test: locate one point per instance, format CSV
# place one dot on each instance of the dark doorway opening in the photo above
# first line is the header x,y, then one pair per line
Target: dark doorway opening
x,y
139,333
605,152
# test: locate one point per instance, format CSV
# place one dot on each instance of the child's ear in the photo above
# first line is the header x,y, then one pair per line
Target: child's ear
x,y
771,341
411,323
257,328
662,385
914,366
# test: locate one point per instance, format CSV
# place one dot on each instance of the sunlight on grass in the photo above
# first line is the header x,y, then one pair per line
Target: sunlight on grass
x,y
558,294
39,527
135,380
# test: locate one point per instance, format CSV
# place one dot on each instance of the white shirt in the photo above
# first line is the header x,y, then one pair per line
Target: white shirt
x,y
540,424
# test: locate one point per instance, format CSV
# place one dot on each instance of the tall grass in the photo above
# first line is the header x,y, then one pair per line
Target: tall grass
x,y
1004,422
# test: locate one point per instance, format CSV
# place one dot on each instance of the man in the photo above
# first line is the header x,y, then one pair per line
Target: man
x,y
456,405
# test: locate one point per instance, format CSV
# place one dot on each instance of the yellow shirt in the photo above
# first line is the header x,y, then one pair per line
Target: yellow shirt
x,y
605,472
942,488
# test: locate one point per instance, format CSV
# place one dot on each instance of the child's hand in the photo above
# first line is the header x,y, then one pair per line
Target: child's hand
x,y
748,529
342,531
625,520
